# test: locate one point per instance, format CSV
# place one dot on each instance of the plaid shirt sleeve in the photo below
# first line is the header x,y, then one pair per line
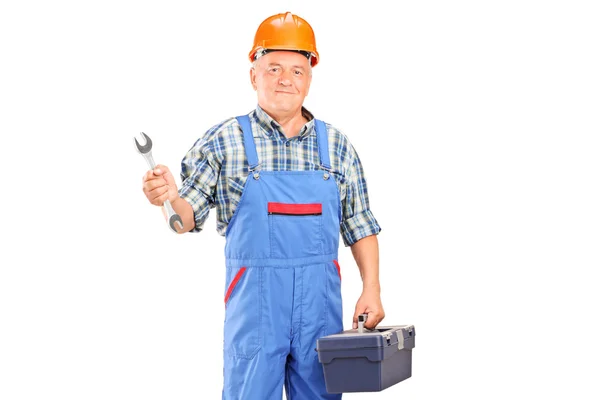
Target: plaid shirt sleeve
x,y
199,174
358,221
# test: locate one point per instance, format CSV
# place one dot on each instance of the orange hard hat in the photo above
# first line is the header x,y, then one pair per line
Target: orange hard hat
x,y
285,32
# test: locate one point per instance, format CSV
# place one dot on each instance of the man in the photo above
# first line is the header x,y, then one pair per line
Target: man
x,y
285,185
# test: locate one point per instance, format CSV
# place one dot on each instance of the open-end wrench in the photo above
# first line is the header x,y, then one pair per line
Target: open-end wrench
x,y
146,151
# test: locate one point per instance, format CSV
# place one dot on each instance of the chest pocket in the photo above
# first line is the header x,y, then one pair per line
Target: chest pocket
x,y
295,229
235,188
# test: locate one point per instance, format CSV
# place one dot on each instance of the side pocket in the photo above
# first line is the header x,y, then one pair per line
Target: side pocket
x,y
233,283
339,271
243,304
334,310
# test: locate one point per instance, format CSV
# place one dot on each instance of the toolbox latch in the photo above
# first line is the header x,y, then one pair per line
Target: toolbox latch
x,y
406,338
388,337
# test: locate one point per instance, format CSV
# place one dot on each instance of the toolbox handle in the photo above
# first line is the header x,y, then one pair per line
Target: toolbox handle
x,y
362,318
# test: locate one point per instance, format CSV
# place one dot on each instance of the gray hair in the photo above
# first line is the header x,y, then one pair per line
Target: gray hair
x,y
255,63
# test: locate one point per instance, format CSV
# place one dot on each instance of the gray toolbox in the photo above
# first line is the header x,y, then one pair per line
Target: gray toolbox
x,y
363,360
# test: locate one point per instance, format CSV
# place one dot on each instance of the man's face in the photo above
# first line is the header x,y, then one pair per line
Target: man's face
x,y
281,80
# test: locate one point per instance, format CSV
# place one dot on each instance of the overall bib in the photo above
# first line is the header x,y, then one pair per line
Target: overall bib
x,y
283,282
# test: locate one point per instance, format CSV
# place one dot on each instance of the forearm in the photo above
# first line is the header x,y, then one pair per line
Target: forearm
x,y
366,255
185,211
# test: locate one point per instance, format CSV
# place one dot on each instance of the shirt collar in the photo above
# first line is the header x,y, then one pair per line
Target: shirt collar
x,y
269,126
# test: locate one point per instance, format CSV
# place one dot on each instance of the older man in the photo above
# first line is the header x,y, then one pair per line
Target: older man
x,y
285,185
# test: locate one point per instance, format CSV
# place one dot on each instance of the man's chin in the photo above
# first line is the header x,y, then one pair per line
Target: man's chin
x,y
282,107
285,107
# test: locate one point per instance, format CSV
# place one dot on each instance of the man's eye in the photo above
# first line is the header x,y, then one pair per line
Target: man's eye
x,y
298,73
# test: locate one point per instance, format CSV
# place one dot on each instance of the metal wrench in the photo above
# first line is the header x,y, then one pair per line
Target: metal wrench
x,y
146,151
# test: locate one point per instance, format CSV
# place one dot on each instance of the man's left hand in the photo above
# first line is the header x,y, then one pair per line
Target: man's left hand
x,y
369,303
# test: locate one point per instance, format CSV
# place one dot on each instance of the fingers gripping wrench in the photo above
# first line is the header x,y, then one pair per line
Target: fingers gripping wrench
x,y
146,151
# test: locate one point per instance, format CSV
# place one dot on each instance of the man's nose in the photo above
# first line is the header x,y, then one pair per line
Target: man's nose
x,y
285,79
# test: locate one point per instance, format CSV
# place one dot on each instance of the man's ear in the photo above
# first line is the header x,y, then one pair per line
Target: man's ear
x,y
253,77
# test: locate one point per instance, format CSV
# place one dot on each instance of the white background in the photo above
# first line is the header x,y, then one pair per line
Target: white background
x,y
477,124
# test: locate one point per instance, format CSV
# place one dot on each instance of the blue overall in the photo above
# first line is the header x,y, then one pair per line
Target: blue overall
x,y
283,282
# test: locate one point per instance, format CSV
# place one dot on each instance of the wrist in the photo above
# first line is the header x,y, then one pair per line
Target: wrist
x,y
371,286
175,200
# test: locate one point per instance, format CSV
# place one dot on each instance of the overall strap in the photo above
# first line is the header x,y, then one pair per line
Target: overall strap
x,y
322,144
249,145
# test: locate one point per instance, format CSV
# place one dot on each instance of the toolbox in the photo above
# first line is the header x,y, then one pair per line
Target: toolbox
x,y
363,360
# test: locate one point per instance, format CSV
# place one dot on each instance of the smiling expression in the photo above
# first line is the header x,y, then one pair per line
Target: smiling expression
x,y
281,80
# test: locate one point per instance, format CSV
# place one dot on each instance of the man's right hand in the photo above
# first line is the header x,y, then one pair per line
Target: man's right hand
x,y
159,185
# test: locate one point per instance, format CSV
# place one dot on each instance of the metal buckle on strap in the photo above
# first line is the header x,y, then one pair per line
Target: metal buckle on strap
x,y
255,171
327,173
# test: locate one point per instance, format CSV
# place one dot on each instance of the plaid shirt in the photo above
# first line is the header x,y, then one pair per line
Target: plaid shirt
x,y
214,170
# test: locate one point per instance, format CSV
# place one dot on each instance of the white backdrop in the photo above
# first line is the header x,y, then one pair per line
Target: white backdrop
x,y
477,124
